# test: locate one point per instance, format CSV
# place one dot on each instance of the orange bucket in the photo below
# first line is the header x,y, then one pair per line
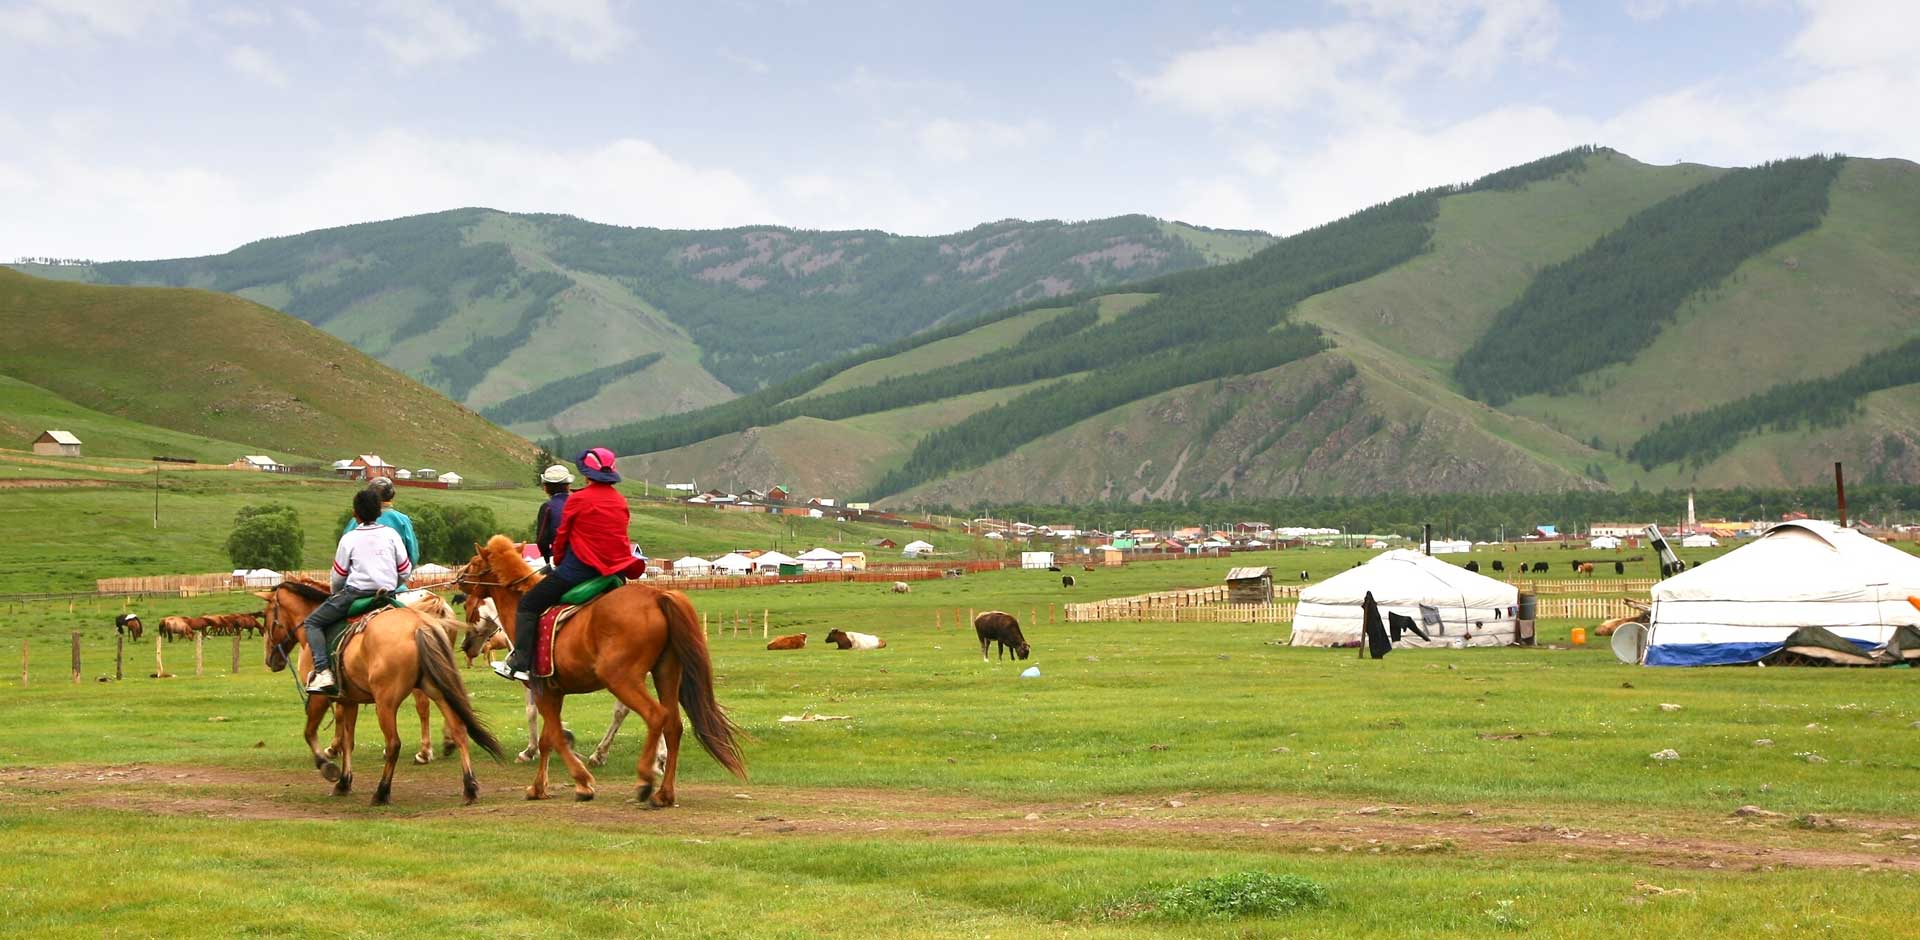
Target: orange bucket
x,y
1579,636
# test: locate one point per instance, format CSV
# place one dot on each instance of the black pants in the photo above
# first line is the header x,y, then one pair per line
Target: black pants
x,y
526,617
331,611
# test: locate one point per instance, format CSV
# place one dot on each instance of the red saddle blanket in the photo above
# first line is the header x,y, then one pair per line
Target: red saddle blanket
x,y
550,624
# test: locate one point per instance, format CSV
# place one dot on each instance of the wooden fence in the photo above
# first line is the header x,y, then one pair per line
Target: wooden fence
x,y
1640,586
1583,608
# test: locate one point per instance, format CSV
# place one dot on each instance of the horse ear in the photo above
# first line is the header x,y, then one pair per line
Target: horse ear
x,y
263,595
476,548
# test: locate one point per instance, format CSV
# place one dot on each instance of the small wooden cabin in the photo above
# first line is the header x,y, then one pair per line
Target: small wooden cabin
x,y
56,444
1250,586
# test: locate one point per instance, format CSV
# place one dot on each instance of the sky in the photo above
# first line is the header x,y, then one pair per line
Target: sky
x,y
169,128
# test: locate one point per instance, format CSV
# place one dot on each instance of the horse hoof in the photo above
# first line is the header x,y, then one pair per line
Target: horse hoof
x,y
533,794
582,796
446,749
330,772
344,786
597,760
381,797
331,752
646,791
424,757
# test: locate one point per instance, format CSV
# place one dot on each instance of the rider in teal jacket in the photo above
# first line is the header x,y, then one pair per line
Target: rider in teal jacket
x,y
393,519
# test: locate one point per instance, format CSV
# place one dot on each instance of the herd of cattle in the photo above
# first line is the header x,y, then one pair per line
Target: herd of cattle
x,y
1540,567
184,628
993,626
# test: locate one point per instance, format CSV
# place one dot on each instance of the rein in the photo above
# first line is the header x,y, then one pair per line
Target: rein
x,y
285,647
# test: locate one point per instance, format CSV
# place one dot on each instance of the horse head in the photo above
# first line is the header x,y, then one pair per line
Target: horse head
x,y
287,605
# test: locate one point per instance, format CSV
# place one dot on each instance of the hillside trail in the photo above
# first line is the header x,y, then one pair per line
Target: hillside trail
x,y
1234,821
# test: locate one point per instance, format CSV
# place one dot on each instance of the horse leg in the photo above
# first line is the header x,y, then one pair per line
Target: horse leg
x,y
533,732
620,713
469,785
389,713
345,717
550,739
666,681
322,761
631,690
425,754
553,736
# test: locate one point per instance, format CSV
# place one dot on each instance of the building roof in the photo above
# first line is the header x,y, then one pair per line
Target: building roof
x,y
1249,574
260,460
820,554
61,437
372,460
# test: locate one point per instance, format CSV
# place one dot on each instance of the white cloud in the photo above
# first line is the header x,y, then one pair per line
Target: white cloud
x,y
952,141
1843,34
257,65
65,22
243,16
1287,70
582,29
744,61
418,32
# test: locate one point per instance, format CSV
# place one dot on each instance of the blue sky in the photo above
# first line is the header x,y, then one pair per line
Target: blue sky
x,y
160,128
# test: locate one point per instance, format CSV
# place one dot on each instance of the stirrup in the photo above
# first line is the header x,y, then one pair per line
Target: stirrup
x,y
504,671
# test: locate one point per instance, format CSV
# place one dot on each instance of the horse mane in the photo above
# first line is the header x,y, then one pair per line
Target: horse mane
x,y
504,559
304,590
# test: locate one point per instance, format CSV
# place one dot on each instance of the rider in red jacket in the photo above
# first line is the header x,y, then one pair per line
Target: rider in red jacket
x,y
591,541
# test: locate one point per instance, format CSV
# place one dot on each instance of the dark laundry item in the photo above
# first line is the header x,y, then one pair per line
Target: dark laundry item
x,y
1378,644
1401,623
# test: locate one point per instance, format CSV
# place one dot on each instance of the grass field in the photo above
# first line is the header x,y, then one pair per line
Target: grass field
x,y
1434,793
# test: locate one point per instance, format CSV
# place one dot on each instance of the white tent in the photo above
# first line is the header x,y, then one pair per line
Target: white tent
x,y
1041,560
1451,546
692,565
262,578
1740,607
915,548
1604,542
431,570
1474,610
771,562
1699,540
733,563
820,559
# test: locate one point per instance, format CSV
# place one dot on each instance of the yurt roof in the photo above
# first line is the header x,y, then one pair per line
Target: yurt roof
x,y
1404,578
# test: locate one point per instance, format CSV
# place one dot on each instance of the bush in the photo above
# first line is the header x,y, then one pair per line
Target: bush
x,y
267,536
1241,894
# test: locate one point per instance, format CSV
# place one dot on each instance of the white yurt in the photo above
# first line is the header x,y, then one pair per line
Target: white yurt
x,y
1740,607
733,563
692,566
1699,540
770,562
1603,542
820,559
1474,610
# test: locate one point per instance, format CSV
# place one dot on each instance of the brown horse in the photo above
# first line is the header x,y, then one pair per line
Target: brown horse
x,y
400,652
613,644
175,628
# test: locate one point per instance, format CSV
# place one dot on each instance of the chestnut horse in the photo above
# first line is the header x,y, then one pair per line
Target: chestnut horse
x,y
613,644
401,651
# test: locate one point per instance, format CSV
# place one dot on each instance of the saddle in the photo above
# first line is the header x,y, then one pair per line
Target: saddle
x,y
358,615
578,596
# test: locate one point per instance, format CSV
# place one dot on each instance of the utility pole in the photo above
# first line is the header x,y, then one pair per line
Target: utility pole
x,y
156,493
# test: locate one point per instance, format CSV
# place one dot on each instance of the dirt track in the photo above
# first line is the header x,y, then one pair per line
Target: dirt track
x,y
1258,821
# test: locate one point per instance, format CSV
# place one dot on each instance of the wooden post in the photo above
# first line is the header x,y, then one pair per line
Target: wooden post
x,y
198,644
159,664
76,659
23,662
236,653
703,623
119,653
763,623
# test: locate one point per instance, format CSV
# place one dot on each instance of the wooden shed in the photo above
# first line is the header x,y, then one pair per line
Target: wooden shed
x,y
1250,586
56,444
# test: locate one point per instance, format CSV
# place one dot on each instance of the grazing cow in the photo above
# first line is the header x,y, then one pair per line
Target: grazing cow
x,y
1499,565
848,640
1540,567
1586,569
1066,580
1086,567
1619,567
1303,576
792,641
902,587
127,624
998,626
1574,565
1473,566
1054,568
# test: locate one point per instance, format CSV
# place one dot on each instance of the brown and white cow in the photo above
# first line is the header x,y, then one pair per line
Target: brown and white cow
x,y
848,640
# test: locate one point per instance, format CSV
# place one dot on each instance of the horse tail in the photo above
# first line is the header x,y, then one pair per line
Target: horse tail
x,y
437,669
711,725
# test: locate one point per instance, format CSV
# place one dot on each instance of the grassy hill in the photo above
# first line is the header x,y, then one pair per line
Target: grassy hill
x,y
489,306
1381,408
141,371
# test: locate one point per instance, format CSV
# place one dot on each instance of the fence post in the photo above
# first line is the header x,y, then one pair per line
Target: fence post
x,y
763,623
198,646
936,620
76,658
23,662
159,663
703,623
119,652
236,653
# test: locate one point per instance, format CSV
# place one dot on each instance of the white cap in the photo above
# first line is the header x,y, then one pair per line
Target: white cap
x,y
556,474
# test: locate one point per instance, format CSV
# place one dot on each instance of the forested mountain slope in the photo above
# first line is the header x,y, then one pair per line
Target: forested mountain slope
x,y
1339,361
508,310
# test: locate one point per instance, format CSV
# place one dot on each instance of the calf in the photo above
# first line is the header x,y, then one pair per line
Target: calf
x,y
1066,580
901,587
998,626
128,624
847,640
793,641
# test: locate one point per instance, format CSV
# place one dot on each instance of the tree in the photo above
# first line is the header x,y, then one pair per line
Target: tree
x,y
267,536
448,531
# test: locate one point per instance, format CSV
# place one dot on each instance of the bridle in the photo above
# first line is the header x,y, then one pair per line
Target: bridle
x,y
463,579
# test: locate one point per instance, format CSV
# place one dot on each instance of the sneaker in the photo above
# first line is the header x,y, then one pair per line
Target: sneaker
x,y
321,683
505,671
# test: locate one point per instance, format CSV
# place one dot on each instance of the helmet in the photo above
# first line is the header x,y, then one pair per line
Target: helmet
x,y
381,487
556,474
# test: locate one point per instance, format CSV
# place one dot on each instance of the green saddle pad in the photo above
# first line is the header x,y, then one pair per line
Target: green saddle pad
x,y
588,590
371,603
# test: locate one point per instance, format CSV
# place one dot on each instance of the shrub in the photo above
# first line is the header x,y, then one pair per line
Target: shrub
x,y
1240,894
266,536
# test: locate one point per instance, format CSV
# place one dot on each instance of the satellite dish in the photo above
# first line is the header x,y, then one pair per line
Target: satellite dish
x,y
1630,642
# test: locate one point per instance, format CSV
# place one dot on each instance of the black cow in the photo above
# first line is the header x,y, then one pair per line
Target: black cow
x,y
1619,567
1540,567
998,626
1499,565
1473,566
1066,580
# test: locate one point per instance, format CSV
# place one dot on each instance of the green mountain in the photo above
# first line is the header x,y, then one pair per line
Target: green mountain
x,y
550,324
1581,322
136,372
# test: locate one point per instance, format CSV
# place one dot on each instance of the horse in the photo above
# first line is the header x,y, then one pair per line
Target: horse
x,y
175,628
613,644
484,633
400,651
128,624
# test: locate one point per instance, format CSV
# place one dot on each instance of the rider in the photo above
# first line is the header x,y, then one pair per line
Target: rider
x,y
371,558
393,519
590,541
545,525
